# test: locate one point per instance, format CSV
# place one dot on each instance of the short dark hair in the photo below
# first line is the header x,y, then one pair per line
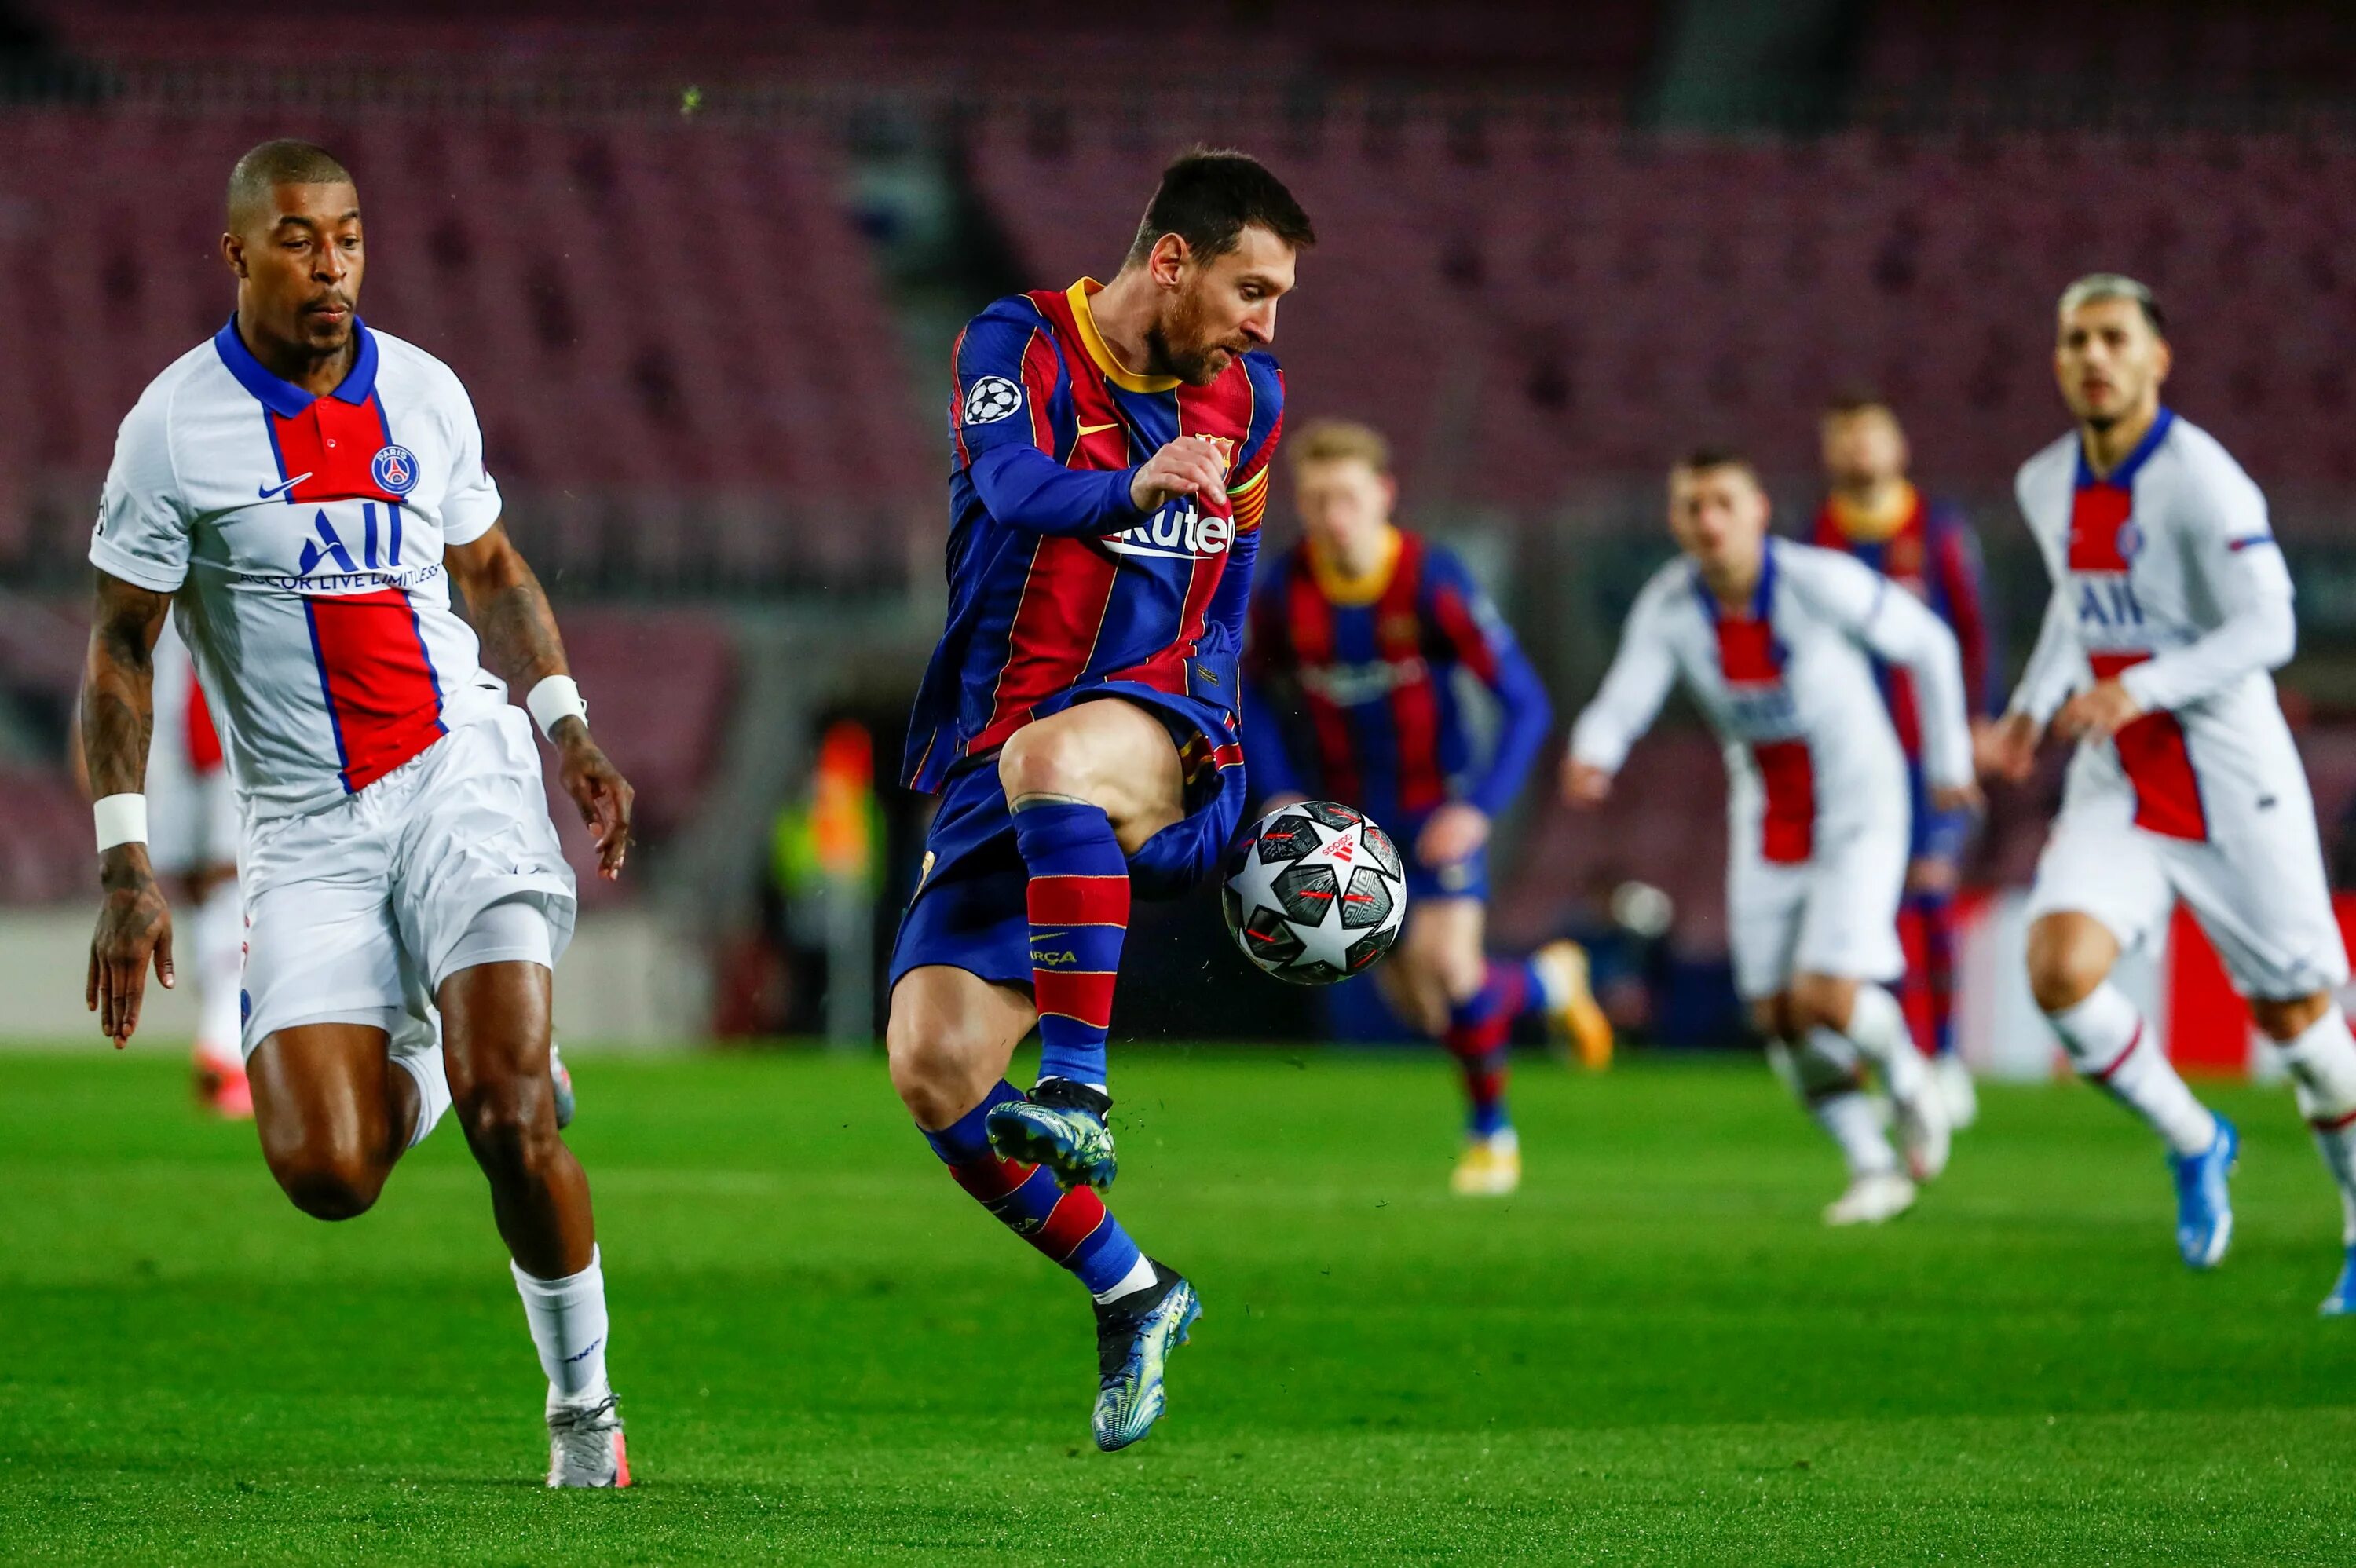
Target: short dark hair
x,y
1857,400
281,161
1210,196
1702,459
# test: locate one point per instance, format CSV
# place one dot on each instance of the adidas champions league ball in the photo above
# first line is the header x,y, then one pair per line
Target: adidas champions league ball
x,y
1315,893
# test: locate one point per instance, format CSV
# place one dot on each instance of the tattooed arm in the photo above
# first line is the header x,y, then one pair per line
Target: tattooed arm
x,y
118,715
521,647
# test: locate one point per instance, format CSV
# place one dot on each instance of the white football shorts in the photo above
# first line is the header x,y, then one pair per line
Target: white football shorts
x,y
2256,884
358,912
1834,914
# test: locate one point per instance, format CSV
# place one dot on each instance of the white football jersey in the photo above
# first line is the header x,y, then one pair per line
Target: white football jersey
x,y
2166,575
1789,687
303,540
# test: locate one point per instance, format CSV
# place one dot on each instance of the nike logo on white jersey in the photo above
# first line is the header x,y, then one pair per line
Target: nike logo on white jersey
x,y
281,489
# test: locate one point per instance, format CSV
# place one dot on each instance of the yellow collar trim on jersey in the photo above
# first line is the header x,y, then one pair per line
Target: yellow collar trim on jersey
x,y
1363,589
1871,526
1084,317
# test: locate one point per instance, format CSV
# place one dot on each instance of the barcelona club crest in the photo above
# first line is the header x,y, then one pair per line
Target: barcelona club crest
x,y
394,469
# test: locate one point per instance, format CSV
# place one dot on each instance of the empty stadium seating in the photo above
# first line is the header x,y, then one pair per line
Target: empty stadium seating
x,y
1527,305
675,337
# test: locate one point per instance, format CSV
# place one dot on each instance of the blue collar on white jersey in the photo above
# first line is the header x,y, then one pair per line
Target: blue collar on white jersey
x,y
2123,474
283,398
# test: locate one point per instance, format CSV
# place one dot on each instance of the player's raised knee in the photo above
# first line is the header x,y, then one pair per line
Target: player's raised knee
x,y
2069,955
1042,759
325,1179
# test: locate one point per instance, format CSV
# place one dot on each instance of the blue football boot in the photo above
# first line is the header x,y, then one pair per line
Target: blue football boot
x,y
1134,1337
2343,1299
2204,1209
1060,1126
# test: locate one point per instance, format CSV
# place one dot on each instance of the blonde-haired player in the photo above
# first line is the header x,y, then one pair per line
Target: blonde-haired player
x,y
1775,642
1358,636
2171,605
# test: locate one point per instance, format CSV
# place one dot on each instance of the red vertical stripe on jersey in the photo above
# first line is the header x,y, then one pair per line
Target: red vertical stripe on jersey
x,y
1787,833
381,696
1309,616
1747,656
1053,630
2098,520
1415,704
330,450
1039,371
204,741
2157,762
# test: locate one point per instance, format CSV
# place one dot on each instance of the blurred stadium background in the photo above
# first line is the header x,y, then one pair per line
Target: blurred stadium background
x,y
701,267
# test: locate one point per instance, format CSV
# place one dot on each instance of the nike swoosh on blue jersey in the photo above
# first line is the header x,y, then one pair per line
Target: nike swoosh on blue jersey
x,y
282,487
1094,428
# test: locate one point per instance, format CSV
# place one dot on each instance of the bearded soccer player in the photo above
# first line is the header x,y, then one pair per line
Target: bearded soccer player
x,y
303,491
1925,546
1775,643
2171,608
1111,445
1357,637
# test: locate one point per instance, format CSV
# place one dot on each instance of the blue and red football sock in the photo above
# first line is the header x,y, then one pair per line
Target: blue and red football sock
x,y
1073,1228
1078,904
1479,1036
1935,918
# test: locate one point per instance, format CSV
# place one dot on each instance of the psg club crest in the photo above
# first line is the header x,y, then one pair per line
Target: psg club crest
x,y
394,469
991,399
2130,540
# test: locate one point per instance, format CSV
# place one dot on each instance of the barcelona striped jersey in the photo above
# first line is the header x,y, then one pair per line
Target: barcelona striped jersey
x,y
1353,686
1932,552
1059,587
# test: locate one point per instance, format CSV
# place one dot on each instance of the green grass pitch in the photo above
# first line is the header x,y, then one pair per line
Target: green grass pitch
x,y
826,1353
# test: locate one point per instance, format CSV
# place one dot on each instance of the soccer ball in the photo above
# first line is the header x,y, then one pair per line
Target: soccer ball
x,y
1315,893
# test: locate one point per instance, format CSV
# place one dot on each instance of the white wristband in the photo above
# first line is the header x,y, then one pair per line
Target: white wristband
x,y
122,819
556,697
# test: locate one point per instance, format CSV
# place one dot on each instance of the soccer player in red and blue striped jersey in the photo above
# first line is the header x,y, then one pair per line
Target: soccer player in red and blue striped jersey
x,y
1358,636
1927,547
1111,450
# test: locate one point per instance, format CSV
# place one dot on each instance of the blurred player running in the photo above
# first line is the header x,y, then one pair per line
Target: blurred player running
x,y
1357,636
306,490
2171,605
1926,547
1775,643
1111,445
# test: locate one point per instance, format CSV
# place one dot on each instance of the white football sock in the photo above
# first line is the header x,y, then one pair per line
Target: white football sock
x,y
2107,1043
433,1082
215,928
1877,1027
2322,1064
1140,1276
1823,1071
568,1329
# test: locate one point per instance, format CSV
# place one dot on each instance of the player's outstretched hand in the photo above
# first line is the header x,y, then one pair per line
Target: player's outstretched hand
x,y
1190,465
2098,714
2007,749
1453,833
601,792
135,925
1584,785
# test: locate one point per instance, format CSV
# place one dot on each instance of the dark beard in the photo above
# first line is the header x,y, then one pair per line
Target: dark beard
x,y
2101,423
1195,366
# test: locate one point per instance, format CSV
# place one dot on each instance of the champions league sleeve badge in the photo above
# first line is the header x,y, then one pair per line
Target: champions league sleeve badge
x,y
394,469
991,399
